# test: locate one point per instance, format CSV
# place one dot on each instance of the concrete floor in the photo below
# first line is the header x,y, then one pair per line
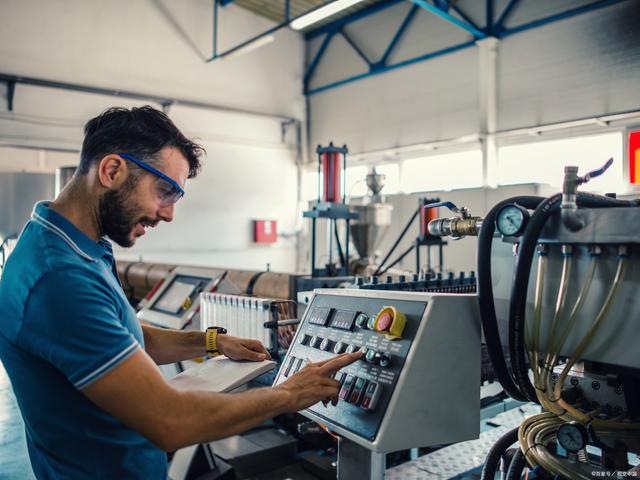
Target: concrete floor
x,y
14,460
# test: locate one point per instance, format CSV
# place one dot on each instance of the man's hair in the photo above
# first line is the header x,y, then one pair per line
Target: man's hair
x,y
141,132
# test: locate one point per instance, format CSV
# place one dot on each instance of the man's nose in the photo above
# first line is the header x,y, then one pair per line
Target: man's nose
x,y
166,213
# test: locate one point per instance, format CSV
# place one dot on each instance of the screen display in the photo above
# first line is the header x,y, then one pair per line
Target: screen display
x,y
179,295
343,319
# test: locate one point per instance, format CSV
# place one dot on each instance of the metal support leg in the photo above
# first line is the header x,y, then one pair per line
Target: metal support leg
x,y
355,461
11,91
313,246
346,247
417,257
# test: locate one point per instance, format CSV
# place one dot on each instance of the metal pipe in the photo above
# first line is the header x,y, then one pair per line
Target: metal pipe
x,y
39,82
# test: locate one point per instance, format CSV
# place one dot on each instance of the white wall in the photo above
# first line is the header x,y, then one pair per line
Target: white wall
x,y
159,47
583,66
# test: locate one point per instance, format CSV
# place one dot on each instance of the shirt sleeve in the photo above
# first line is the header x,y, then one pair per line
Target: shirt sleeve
x,y
73,321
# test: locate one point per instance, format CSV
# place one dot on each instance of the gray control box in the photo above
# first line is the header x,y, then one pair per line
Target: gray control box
x,y
418,390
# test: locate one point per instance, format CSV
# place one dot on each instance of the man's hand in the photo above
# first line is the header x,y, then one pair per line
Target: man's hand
x,y
242,348
314,383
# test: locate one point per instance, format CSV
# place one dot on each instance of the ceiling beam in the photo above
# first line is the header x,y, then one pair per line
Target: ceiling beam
x,y
450,18
360,14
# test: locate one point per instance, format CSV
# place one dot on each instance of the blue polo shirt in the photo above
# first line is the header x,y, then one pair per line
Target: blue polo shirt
x,y
64,323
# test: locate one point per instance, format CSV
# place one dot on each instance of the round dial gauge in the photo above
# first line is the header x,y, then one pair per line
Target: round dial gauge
x,y
573,436
511,220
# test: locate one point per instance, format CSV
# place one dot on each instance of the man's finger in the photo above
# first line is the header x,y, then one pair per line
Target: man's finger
x,y
257,346
255,356
333,365
324,362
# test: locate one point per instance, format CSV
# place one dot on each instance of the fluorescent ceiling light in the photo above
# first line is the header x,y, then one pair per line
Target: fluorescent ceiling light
x,y
257,43
321,13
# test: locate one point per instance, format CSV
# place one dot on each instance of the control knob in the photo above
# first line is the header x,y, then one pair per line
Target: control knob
x,y
325,345
339,347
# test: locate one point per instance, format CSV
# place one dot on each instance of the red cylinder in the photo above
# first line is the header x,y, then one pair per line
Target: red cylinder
x,y
331,169
426,216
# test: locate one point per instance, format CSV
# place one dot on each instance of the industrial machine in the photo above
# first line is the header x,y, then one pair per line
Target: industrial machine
x,y
562,283
374,218
399,395
174,302
331,206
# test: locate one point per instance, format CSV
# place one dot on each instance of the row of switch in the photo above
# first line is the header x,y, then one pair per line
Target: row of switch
x,y
371,356
358,391
292,365
354,390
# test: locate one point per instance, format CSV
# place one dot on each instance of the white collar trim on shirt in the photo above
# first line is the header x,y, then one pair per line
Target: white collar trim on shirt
x,y
56,230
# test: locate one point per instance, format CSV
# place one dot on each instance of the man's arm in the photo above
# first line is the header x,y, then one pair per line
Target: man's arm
x,y
170,346
136,393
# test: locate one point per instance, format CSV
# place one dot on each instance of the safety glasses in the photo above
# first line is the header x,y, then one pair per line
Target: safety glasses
x,y
168,191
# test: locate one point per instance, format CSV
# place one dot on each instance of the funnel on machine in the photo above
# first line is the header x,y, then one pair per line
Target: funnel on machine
x,y
374,218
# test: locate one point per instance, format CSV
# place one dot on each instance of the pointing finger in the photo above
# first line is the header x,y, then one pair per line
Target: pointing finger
x,y
335,364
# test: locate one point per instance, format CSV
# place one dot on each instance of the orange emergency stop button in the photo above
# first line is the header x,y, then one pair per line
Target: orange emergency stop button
x,y
391,322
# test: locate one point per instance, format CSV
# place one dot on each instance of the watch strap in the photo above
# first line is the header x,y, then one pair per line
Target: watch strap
x,y
211,340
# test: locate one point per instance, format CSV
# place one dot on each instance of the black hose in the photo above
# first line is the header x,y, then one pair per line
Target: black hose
x,y
485,295
518,302
526,251
398,260
495,454
516,467
395,245
343,261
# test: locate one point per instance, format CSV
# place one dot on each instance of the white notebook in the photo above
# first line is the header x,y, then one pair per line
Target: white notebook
x,y
220,374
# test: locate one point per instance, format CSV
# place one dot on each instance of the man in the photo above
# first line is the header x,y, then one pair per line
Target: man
x,y
83,369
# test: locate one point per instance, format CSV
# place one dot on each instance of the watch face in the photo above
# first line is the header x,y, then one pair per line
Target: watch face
x,y
572,437
510,220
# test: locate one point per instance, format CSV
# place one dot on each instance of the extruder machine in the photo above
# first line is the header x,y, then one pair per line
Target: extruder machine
x,y
562,273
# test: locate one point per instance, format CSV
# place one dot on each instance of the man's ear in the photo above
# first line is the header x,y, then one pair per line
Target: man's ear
x,y
112,171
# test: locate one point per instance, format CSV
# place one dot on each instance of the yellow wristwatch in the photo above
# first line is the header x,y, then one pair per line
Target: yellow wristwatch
x,y
211,340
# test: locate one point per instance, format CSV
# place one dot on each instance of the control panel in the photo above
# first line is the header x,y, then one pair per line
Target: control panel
x,y
175,301
395,331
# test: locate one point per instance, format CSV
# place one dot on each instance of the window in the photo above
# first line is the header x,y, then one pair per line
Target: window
x,y
442,172
356,185
544,162
392,180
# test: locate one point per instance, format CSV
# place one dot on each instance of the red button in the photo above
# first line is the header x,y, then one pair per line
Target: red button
x,y
384,322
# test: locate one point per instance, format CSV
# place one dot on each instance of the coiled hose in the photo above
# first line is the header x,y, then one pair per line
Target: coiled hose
x,y
485,295
495,454
516,467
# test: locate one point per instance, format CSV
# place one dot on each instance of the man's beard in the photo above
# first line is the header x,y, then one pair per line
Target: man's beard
x,y
118,215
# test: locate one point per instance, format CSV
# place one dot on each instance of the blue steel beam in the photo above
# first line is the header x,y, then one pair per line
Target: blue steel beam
x,y
464,16
450,18
215,29
388,68
314,63
224,3
490,19
396,38
360,14
355,46
506,13
561,16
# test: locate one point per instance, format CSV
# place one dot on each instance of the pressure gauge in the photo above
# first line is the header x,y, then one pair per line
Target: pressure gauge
x,y
573,436
512,219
